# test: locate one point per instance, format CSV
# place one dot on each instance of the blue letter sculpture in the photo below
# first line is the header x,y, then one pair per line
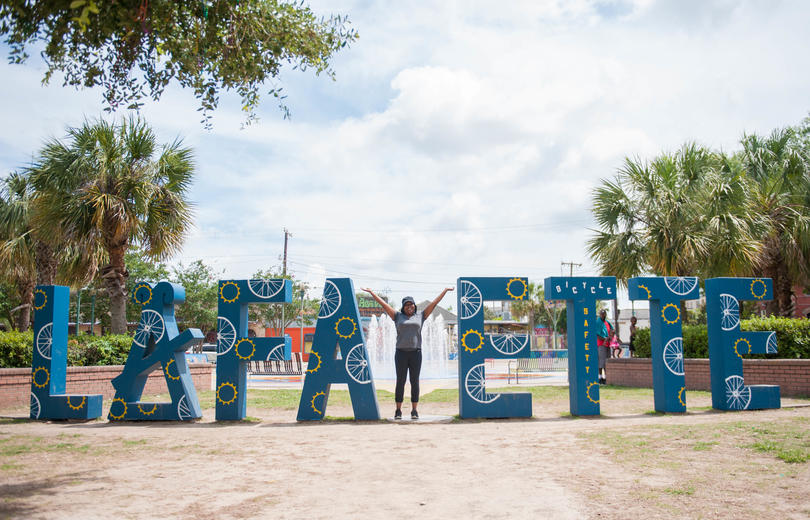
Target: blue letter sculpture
x,y
157,343
580,295
338,355
235,348
666,334
728,345
474,347
49,363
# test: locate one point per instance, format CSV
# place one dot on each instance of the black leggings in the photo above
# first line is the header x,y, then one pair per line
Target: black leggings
x,y
406,360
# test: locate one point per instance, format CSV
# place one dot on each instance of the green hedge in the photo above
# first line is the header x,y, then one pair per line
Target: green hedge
x,y
792,338
86,350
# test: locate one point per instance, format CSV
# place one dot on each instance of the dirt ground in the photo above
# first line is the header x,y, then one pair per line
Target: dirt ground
x,y
626,464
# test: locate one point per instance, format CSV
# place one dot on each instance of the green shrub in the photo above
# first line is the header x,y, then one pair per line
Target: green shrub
x,y
113,349
16,348
792,337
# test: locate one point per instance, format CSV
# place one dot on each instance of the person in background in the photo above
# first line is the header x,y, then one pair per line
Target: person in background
x,y
603,344
615,346
408,355
633,321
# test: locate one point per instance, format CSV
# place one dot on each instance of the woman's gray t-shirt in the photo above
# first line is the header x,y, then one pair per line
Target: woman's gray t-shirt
x,y
409,331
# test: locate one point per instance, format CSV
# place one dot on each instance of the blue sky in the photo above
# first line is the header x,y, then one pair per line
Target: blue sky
x,y
460,138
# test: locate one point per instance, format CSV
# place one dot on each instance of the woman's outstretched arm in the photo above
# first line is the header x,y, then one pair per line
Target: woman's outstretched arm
x,y
387,308
435,302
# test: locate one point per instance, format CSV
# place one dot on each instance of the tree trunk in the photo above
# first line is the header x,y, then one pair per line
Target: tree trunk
x,y
783,294
46,263
23,320
115,279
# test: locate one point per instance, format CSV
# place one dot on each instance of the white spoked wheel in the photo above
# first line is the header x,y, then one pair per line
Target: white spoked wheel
x,y
45,340
266,288
681,285
469,299
475,384
277,354
226,335
183,410
509,344
729,312
36,408
770,344
151,325
738,396
673,356
331,300
357,365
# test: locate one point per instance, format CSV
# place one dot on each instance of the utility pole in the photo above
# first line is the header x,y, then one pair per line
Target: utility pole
x,y
287,235
570,267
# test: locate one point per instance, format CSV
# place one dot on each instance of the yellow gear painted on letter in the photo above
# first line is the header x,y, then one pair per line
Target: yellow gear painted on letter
x,y
44,299
135,294
736,351
123,414
312,403
173,378
150,412
47,377
588,393
222,292
680,396
677,313
232,399
337,327
464,340
252,346
754,292
516,296
79,406
313,370
649,294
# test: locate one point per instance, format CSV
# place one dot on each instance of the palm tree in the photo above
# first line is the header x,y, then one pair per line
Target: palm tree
x,y
18,250
682,214
779,169
110,187
649,218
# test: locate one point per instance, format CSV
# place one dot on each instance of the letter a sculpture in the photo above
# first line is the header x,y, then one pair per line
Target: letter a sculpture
x,y
338,356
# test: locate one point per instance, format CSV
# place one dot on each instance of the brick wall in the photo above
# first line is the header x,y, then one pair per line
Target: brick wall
x,y
792,375
15,383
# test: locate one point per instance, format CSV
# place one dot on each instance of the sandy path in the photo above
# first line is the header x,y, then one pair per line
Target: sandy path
x,y
541,468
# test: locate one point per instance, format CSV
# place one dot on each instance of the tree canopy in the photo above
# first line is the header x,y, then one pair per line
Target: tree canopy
x,y
133,49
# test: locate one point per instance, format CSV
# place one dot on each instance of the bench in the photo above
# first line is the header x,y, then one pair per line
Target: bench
x,y
277,367
547,361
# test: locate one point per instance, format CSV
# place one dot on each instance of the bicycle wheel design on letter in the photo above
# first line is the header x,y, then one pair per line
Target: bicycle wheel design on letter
x,y
36,408
681,285
183,410
45,340
470,298
331,300
151,324
357,365
226,335
770,344
265,288
673,356
277,354
738,396
730,312
509,344
475,385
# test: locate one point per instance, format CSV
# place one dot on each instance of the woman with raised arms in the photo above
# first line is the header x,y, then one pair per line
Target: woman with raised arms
x,y
408,355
